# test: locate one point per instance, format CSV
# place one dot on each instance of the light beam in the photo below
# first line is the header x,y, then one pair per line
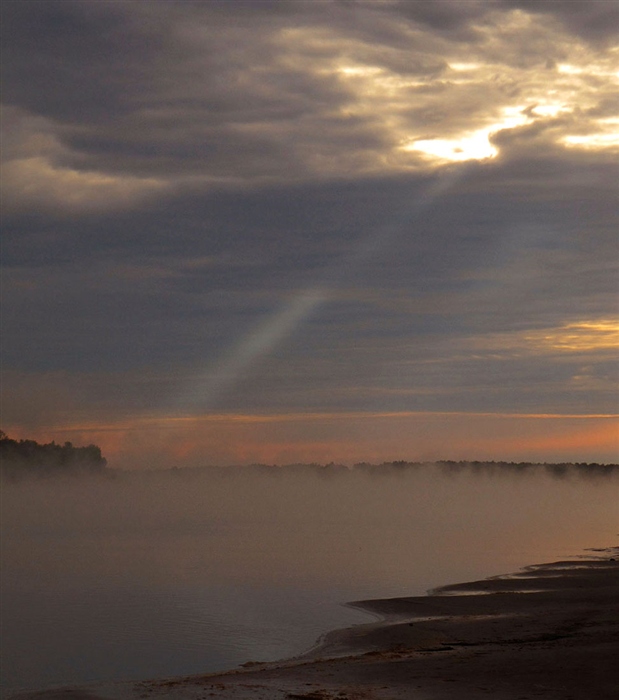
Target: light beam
x,y
211,384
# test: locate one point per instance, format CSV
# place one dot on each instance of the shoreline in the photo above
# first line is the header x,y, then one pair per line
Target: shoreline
x,y
548,630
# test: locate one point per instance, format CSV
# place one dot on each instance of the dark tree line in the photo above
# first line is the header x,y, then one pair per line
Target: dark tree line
x,y
22,458
559,470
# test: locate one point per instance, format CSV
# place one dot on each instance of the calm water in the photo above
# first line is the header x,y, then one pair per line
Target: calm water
x,y
152,575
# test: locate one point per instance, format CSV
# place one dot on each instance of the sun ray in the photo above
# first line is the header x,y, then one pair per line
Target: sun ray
x,y
211,384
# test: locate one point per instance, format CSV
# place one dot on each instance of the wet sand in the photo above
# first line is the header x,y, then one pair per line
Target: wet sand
x,y
550,631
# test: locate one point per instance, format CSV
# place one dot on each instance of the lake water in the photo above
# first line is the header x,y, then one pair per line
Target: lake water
x,y
159,574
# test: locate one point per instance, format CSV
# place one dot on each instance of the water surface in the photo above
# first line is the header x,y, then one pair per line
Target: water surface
x,y
158,574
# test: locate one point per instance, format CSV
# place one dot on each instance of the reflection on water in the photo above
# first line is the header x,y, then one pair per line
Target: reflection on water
x,y
176,573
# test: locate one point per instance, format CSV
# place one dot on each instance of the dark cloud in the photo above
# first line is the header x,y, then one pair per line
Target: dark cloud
x,y
180,174
75,61
178,282
454,19
593,20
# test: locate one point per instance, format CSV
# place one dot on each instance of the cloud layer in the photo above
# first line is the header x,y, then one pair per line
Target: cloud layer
x,y
302,206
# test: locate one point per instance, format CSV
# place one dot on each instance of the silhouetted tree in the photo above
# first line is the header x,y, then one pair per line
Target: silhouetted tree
x,y
29,458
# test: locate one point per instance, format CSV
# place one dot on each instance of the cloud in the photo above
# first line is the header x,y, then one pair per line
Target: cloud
x,y
176,287
37,182
597,21
190,95
39,170
184,180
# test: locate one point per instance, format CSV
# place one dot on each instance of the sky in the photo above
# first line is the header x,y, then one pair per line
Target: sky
x,y
339,230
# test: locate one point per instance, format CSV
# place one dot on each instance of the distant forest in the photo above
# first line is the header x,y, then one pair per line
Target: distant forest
x,y
28,458
559,470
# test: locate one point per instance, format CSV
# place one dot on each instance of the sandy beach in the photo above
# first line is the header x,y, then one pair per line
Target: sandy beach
x,y
549,631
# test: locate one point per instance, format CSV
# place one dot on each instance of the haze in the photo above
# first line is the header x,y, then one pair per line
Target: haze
x,y
255,563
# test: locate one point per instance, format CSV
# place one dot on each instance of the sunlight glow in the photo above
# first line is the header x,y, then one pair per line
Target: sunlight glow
x,y
464,66
585,336
364,71
474,145
550,109
569,69
580,336
602,69
373,84
402,102
593,141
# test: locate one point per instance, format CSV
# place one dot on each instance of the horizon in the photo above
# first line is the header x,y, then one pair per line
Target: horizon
x,y
35,465
361,437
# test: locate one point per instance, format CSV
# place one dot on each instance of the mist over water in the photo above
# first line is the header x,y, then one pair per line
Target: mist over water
x,y
188,571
